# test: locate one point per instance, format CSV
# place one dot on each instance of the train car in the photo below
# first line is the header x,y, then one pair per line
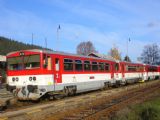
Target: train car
x,y
151,72
133,72
36,73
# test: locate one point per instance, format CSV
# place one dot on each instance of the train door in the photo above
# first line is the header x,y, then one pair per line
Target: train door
x,y
122,70
112,70
57,76
116,71
118,75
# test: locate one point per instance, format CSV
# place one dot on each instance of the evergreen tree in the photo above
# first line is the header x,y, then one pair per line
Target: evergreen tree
x,y
8,45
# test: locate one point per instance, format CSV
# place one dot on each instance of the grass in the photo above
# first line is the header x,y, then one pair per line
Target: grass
x,y
149,110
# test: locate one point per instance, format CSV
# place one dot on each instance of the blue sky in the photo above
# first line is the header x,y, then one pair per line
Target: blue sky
x,y
106,23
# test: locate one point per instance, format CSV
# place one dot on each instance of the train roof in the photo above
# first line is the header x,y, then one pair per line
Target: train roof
x,y
132,62
91,55
151,65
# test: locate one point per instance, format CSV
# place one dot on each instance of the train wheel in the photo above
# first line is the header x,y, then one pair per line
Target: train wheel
x,y
66,91
71,91
106,86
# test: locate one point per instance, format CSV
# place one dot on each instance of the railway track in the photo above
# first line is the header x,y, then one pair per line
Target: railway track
x,y
41,111
106,109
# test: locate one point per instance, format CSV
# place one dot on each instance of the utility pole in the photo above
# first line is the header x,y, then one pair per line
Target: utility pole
x,y
127,48
59,27
32,39
46,43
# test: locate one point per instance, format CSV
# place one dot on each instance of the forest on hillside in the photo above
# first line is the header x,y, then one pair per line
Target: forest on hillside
x,y
9,45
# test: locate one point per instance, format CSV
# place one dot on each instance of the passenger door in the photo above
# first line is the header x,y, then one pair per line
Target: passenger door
x,y
122,70
116,71
57,75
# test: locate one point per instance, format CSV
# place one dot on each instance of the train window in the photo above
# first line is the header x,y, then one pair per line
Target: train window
x,y
139,68
57,64
131,68
78,65
94,66
49,67
142,68
152,69
116,67
47,62
24,62
107,67
15,63
87,65
101,66
68,64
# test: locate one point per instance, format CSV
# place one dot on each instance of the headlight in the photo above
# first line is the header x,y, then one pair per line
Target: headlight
x,y
34,78
17,79
13,79
30,78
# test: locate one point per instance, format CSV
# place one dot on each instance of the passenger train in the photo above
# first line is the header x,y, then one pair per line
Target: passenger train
x,y
32,74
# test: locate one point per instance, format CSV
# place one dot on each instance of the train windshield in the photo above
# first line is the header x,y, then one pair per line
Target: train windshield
x,y
24,62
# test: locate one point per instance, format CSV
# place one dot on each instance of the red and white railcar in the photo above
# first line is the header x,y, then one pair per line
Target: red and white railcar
x,y
35,73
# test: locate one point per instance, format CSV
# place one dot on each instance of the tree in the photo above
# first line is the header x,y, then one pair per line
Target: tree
x,y
84,48
114,52
8,45
127,59
150,54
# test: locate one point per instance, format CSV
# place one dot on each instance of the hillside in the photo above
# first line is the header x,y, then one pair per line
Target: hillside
x,y
8,45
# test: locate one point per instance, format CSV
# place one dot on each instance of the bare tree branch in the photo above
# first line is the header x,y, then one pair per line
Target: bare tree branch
x,y
151,54
114,52
84,48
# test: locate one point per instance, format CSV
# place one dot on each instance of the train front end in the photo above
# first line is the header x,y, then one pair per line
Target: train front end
x,y
26,77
